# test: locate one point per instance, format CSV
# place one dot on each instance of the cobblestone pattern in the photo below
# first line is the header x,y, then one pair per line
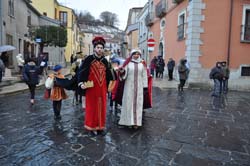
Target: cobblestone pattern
x,y
186,129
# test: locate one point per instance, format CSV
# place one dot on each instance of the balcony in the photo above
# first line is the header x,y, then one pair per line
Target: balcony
x,y
177,1
149,20
245,33
161,9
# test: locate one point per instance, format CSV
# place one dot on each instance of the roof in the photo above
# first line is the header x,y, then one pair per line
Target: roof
x,y
31,7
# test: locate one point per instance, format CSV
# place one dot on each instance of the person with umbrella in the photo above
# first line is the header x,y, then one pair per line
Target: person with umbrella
x,y
2,69
4,56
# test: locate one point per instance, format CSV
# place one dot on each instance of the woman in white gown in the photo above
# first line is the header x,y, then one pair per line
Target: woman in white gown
x,y
135,76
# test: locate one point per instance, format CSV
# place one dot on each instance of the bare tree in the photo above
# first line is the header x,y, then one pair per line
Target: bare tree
x,y
85,17
109,18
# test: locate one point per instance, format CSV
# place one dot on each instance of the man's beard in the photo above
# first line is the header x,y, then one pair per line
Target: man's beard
x,y
99,53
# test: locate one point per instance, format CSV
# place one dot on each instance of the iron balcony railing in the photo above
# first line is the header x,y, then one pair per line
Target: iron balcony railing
x,y
178,1
149,20
161,8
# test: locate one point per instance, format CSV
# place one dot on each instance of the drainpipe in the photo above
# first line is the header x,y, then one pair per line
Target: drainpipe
x,y
1,23
230,33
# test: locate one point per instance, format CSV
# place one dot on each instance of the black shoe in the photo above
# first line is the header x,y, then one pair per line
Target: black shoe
x,y
102,132
179,88
91,133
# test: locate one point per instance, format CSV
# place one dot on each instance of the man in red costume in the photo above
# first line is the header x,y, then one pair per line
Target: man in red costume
x,y
94,77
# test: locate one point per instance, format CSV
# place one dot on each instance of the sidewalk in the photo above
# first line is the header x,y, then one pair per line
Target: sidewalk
x,y
165,84
14,85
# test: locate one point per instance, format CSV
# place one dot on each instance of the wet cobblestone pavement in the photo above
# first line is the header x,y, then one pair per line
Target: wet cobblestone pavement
x,y
187,129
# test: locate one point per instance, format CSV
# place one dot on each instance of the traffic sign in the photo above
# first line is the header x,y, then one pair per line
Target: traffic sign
x,y
151,42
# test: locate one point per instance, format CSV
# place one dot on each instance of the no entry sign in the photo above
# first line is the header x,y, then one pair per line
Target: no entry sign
x,y
151,42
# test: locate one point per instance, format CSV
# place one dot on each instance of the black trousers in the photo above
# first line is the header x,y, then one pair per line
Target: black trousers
x,y
182,83
111,102
32,89
78,96
170,74
57,105
1,75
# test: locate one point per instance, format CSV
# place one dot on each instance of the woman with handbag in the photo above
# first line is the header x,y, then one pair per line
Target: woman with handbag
x,y
57,92
135,85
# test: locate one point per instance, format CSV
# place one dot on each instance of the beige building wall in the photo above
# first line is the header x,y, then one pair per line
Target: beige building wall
x,y
87,44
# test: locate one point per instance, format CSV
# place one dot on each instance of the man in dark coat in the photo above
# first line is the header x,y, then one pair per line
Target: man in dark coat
x,y
161,66
226,73
94,78
31,74
171,65
183,74
217,75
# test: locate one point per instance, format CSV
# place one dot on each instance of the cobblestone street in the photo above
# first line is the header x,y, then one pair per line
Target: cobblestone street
x,y
182,129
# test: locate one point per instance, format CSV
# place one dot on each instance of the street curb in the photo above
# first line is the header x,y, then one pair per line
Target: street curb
x,y
20,91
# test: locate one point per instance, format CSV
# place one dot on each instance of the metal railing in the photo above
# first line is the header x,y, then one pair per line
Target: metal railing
x,y
177,1
161,8
149,20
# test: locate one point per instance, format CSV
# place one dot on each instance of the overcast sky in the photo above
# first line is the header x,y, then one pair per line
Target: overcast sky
x,y
95,7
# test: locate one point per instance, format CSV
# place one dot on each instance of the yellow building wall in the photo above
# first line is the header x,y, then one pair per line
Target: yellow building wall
x,y
53,9
47,6
71,47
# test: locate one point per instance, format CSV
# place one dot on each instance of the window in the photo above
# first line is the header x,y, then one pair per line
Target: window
x,y
245,71
181,25
19,45
9,41
11,11
246,24
29,18
63,18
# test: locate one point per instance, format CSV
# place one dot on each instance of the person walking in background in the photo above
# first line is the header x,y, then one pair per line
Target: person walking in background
x,y
74,72
31,74
161,64
2,69
136,82
115,65
153,66
226,74
182,70
171,65
57,92
20,62
217,75
5,59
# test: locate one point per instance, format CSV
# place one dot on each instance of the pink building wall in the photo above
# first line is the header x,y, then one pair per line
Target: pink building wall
x,y
216,34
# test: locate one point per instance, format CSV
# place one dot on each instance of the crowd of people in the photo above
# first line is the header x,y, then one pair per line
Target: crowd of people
x,y
129,84
220,75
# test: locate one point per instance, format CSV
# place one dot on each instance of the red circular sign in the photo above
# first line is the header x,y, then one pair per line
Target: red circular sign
x,y
151,42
